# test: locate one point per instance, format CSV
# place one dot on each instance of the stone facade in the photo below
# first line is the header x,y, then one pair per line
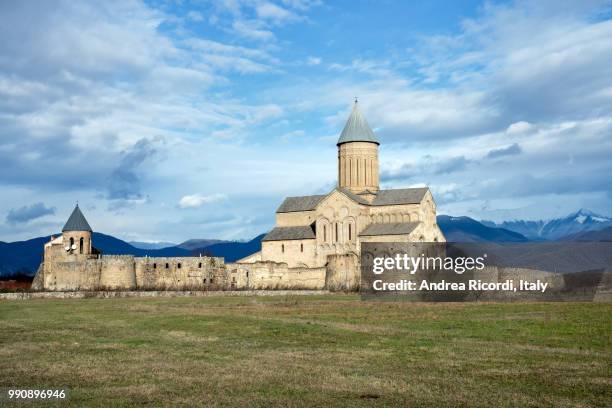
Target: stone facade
x,y
358,166
315,244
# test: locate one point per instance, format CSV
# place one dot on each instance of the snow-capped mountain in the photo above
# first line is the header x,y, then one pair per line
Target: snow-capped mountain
x,y
578,222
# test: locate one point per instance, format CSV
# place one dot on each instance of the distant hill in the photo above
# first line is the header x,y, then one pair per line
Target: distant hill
x,y
604,235
151,245
21,256
466,229
193,244
232,251
582,220
25,256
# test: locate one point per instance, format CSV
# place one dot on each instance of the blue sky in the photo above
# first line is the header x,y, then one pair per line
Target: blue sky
x,y
193,119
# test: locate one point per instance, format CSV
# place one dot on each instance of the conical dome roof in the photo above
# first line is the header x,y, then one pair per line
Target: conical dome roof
x,y
76,222
357,129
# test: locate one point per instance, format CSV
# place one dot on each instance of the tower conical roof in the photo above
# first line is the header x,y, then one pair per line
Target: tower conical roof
x,y
76,221
357,129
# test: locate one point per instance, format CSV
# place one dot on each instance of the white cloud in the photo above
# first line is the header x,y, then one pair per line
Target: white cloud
x,y
197,200
252,29
518,127
273,12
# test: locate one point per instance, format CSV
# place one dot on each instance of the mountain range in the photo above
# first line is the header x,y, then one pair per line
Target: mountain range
x,y
25,256
466,229
581,221
152,245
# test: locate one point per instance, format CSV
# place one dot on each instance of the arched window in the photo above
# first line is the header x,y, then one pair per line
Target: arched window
x,y
325,233
71,242
283,248
336,232
350,232
301,247
179,265
81,245
154,265
200,265
167,266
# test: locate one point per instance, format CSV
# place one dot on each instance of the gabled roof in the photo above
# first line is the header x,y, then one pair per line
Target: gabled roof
x,y
76,221
383,197
353,196
394,228
357,129
400,196
303,203
289,233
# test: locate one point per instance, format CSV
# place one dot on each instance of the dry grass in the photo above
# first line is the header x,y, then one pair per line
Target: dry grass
x,y
308,351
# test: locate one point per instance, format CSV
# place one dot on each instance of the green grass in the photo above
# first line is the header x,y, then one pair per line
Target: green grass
x,y
308,351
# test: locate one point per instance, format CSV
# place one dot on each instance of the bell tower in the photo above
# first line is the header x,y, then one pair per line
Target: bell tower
x,y
358,155
77,234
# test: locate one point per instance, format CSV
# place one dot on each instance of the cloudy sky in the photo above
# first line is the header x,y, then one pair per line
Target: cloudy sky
x,y
193,119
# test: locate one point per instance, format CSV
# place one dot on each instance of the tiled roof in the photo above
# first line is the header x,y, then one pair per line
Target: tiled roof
x,y
353,196
303,203
77,221
394,228
289,233
357,128
383,197
400,196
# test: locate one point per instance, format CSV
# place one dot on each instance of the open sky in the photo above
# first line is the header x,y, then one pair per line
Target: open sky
x,y
169,120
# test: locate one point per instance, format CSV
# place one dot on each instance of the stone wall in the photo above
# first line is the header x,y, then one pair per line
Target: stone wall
x,y
126,272
72,275
274,275
179,272
342,272
295,253
117,272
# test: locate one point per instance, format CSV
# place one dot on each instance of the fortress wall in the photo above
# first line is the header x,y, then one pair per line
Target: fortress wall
x,y
117,272
342,272
271,275
72,275
179,272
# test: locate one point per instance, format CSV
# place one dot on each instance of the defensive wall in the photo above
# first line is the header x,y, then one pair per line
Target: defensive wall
x,y
126,272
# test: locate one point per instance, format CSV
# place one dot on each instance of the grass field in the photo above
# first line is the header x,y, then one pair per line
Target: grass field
x,y
308,351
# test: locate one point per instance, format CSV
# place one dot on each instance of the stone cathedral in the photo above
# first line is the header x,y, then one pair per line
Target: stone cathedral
x,y
311,228
315,244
